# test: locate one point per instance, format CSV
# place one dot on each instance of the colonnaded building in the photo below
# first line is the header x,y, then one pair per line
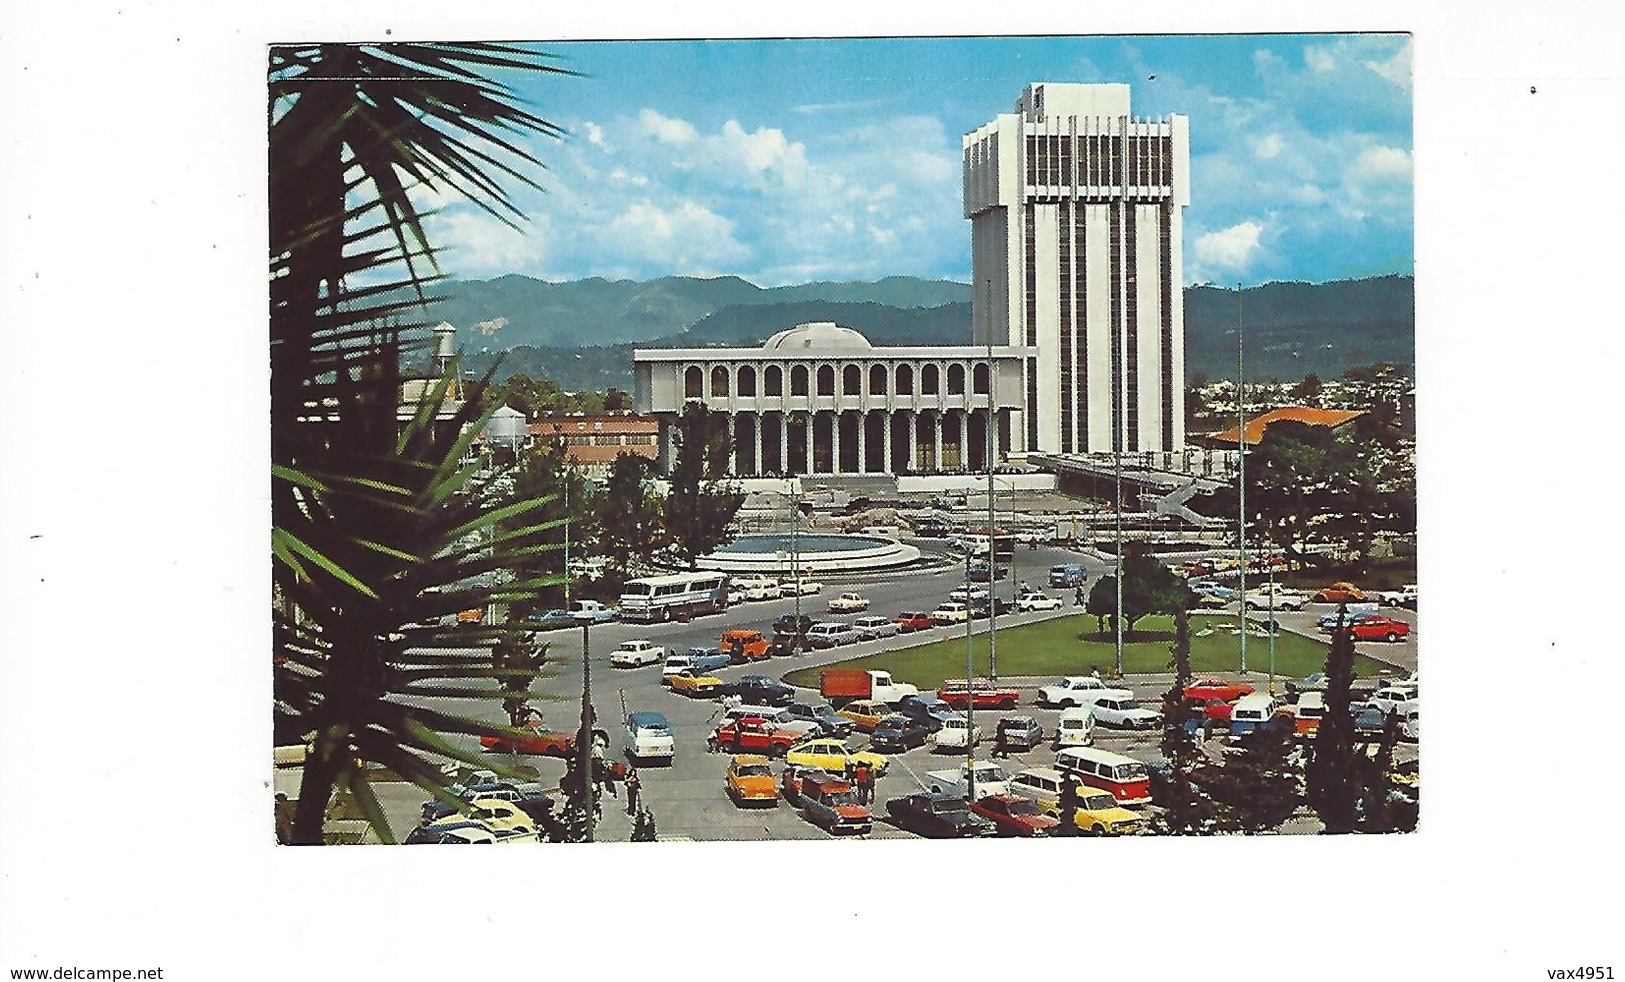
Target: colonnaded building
x,y
1077,318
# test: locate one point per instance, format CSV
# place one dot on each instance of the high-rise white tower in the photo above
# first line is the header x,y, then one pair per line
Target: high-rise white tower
x,y
1075,210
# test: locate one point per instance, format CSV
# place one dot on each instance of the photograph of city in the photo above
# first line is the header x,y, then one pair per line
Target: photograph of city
x,y
878,438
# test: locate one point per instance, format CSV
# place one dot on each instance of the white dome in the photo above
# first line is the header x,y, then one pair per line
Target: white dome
x,y
820,335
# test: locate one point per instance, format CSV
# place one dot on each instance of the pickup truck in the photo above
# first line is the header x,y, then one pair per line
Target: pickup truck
x,y
842,685
592,612
1279,599
990,779
632,654
978,693
755,735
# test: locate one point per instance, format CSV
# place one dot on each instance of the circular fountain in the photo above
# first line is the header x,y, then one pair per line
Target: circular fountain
x,y
777,553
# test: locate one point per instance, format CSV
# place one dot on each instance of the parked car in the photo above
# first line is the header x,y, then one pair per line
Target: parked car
x,y
1309,683
831,634
551,620
648,736
832,804
1405,596
1339,593
1019,732
1037,601
753,588
707,659
1098,813
787,588
591,611
833,755
1277,599
531,740
1124,713
865,714
1217,689
898,733
1078,690
937,815
1015,815
759,690
977,693
979,608
830,723
926,708
983,573
458,831
1379,628
848,603
913,620
743,645
787,626
873,628
694,683
749,780
950,613
967,594
1391,697
1327,622
635,654
794,775
957,734
1075,728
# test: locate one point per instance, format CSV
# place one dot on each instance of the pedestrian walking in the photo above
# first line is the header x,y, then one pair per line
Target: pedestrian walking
x,y
866,783
1069,804
633,786
999,749
1077,597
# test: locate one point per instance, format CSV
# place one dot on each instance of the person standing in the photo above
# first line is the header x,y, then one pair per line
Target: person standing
x,y
633,786
1077,596
866,783
1069,804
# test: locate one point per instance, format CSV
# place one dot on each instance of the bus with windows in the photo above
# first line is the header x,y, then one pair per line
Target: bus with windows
x,y
674,596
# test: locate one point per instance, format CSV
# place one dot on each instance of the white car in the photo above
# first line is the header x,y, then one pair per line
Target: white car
x,y
848,603
754,588
1126,713
1038,601
875,627
1279,600
1394,698
969,594
635,654
950,613
787,588
1405,596
957,733
1078,690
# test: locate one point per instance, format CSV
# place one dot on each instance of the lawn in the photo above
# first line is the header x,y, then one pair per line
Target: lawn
x,y
1071,646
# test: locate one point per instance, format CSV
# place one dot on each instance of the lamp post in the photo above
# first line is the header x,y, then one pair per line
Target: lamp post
x,y
1241,486
970,672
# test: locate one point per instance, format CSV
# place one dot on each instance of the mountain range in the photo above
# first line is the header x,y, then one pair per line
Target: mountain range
x,y
582,333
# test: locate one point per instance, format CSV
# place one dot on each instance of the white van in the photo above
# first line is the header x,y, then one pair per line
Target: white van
x,y
1076,728
1126,778
1251,712
648,735
829,634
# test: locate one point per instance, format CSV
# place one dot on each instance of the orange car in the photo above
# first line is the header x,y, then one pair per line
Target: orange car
x,y
1340,593
741,644
750,778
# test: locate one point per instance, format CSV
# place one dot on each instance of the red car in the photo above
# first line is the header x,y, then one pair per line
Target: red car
x,y
1378,628
1217,710
913,620
980,694
1206,689
1015,815
752,733
1339,593
547,743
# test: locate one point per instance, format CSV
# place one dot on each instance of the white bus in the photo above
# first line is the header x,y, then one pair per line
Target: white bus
x,y
675,595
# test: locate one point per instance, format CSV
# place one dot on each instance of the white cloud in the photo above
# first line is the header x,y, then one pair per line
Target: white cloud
x,y
1397,69
764,152
666,129
1268,146
1319,59
688,236
1380,163
1229,249
595,134
485,245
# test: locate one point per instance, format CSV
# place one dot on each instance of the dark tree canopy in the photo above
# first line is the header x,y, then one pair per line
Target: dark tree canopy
x,y
1149,587
698,508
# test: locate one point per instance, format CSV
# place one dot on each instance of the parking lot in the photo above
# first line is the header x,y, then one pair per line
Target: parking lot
x,y
687,796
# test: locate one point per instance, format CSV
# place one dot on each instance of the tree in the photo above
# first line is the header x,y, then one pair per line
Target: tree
x,y
698,507
569,508
374,521
1309,389
1259,779
617,400
1332,781
1185,808
629,515
1149,587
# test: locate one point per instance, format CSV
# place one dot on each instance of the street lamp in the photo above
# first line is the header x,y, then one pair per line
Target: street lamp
x,y
1241,485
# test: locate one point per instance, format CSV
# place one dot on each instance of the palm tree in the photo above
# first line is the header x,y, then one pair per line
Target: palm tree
x,y
376,522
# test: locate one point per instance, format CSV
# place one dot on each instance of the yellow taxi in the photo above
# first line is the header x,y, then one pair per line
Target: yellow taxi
x,y
750,779
833,756
1098,813
694,683
865,714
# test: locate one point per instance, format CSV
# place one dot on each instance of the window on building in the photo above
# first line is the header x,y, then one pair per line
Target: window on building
x,y
905,380
877,380
747,380
979,379
929,381
956,380
693,383
773,381
719,381
851,380
798,380
826,380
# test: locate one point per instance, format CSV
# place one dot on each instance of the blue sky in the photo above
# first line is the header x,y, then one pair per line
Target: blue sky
x,y
790,161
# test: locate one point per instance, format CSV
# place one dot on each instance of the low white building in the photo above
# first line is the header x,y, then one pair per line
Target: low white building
x,y
820,399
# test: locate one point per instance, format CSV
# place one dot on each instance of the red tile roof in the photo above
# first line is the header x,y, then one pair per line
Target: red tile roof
x,y
1330,418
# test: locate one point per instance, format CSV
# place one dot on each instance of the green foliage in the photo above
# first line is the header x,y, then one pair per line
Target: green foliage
x,y
1259,779
698,508
375,525
1333,779
1149,587
629,514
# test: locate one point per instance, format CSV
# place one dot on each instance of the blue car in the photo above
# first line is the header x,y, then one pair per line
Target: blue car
x,y
707,659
